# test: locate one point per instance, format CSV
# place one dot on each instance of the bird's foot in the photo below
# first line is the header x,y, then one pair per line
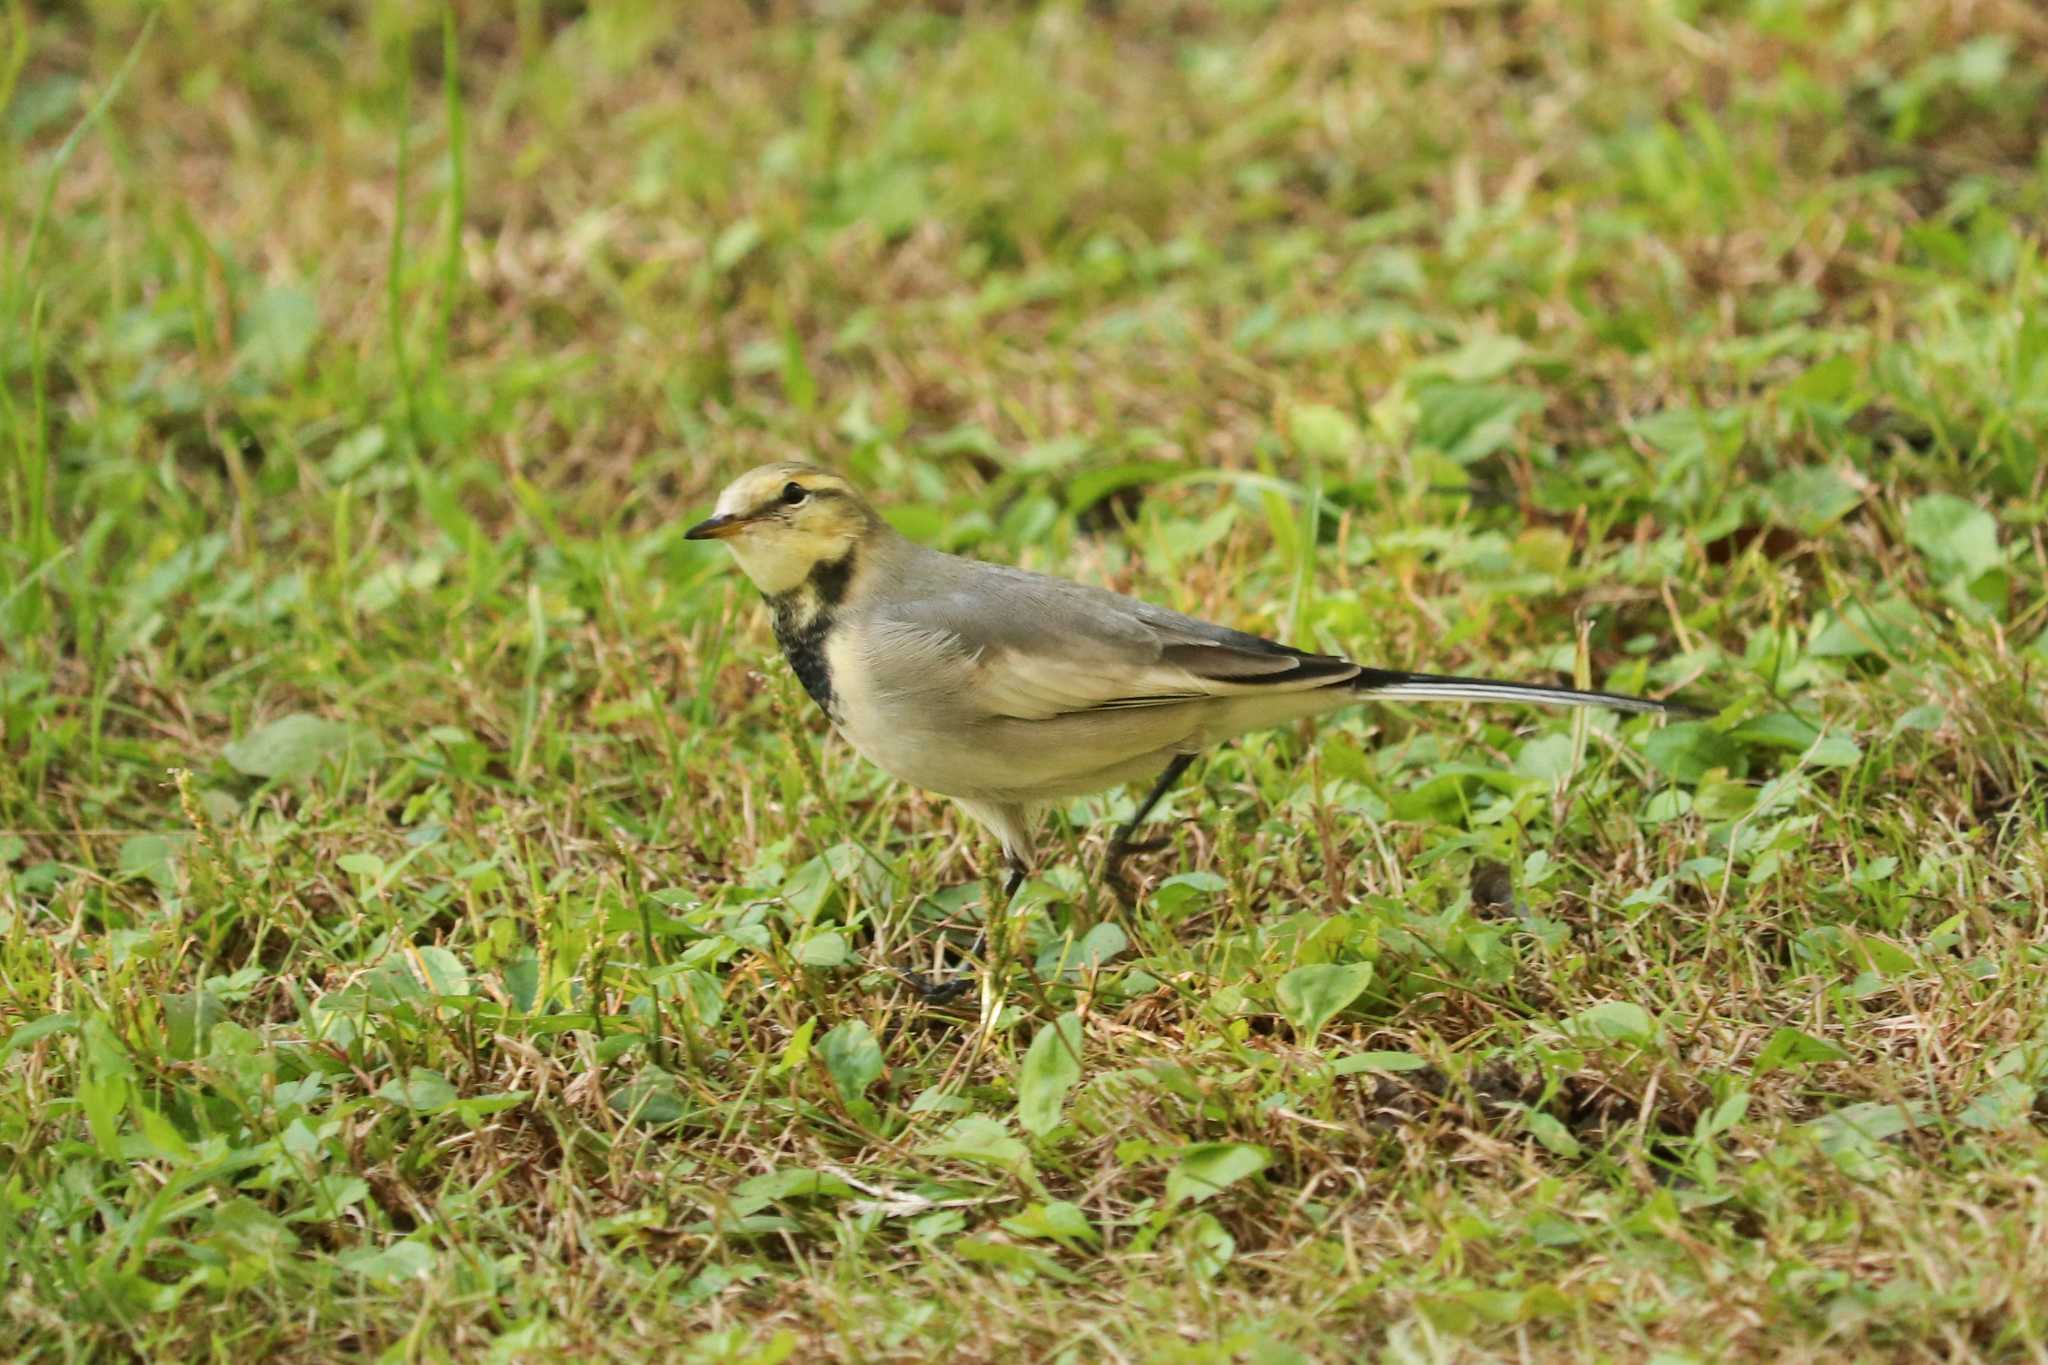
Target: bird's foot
x,y
940,988
934,991
1113,867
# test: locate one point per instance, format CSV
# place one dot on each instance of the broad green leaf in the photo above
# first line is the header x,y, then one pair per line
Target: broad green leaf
x,y
1723,800
41,1027
1051,1066
1208,1168
852,1058
277,330
1723,1116
1854,1137
188,1017
368,866
1464,1310
1487,356
423,1090
789,1182
1887,626
1028,1262
103,1092
1835,751
699,992
1780,730
1096,483
1324,434
808,889
652,1097
1468,422
1311,996
1207,1244
797,1050
475,1108
1442,799
356,452
1097,948
935,1100
148,855
1687,751
1878,954
289,748
439,971
1813,498
399,579
1934,717
824,948
982,1141
1614,1020
521,976
1546,756
400,1261
1100,946
1054,1218
1830,384
246,1226
1663,807
1551,1132
2007,1103
1959,538
630,1221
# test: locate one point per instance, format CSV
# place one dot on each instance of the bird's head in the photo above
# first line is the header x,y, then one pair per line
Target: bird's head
x,y
783,520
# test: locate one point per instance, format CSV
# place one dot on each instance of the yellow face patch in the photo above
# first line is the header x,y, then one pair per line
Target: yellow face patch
x,y
782,520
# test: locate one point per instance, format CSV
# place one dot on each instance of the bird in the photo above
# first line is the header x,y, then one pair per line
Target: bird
x,y
1008,690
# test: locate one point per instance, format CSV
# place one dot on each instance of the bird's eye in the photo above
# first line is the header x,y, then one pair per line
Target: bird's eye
x,y
793,493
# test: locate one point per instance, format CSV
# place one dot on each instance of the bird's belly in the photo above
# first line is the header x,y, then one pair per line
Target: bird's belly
x,y
908,749
1003,760
931,734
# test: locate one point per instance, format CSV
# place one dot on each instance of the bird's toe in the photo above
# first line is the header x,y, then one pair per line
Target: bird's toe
x,y
934,991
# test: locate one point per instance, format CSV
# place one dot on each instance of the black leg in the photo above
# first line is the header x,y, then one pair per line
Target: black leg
x,y
1177,765
1120,844
937,991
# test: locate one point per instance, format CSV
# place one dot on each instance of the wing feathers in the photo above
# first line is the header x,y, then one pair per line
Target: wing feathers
x,y
1019,645
1066,677
1252,660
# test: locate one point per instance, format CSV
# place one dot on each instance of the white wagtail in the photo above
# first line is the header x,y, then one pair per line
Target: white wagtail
x,y
1007,690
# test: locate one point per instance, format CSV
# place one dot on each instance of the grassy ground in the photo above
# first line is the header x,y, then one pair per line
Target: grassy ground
x,y
432,923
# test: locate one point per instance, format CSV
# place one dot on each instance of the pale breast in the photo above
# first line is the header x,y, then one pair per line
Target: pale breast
x,y
899,703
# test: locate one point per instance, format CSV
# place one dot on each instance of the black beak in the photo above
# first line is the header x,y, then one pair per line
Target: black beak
x,y
716,528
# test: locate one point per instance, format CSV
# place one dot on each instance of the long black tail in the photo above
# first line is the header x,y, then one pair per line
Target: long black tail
x,y
1381,682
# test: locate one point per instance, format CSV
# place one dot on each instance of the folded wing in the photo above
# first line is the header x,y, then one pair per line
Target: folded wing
x,y
1037,647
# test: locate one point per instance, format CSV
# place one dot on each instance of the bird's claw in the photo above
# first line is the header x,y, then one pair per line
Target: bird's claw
x,y
933,992
1113,867
938,990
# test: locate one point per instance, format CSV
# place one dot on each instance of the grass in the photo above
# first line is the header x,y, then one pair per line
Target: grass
x,y
433,925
